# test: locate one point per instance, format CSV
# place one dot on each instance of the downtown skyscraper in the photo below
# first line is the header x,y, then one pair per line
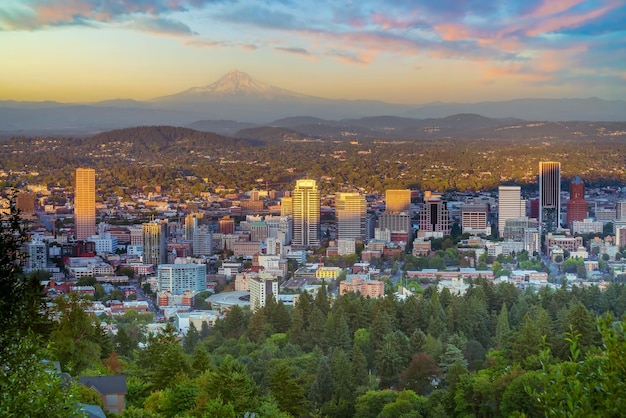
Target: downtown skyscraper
x,y
306,214
351,210
549,195
155,242
398,201
510,205
85,203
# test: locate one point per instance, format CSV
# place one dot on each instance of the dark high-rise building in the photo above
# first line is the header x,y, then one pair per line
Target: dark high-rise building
x,y
577,205
549,195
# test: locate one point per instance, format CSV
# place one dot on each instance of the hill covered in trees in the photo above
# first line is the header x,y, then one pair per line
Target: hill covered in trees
x,y
193,161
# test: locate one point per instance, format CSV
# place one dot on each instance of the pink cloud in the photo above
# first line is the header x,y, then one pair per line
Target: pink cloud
x,y
53,13
453,31
553,7
566,21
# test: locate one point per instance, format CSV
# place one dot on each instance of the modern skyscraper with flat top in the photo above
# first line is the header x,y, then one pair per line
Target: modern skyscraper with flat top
x,y
549,195
306,214
85,203
155,242
397,201
510,205
351,210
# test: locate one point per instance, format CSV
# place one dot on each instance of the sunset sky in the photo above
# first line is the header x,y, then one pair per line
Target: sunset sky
x,y
401,51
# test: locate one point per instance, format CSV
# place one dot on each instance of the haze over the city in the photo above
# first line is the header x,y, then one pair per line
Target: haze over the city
x,y
394,51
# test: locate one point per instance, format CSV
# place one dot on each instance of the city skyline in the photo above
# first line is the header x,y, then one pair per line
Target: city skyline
x,y
397,52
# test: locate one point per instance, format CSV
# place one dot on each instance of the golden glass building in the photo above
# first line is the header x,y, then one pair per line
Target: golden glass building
x,y
397,201
351,210
85,203
306,214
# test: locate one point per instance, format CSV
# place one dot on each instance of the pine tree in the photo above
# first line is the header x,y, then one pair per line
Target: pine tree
x,y
192,337
287,391
503,328
322,389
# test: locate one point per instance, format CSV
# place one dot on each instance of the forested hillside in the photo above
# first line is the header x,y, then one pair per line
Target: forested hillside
x,y
192,161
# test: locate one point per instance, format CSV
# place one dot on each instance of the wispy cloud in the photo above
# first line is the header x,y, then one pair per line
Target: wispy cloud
x,y
292,50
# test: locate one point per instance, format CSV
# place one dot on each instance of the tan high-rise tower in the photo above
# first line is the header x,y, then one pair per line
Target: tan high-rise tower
x,y
351,209
85,203
306,214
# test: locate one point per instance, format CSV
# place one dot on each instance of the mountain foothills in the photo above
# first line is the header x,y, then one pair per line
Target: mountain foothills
x,y
238,96
462,152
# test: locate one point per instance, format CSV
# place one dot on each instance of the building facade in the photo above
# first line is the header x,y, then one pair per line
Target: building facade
x,y
474,218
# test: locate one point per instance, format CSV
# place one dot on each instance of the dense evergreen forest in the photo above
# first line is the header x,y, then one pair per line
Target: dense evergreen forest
x,y
493,352
188,162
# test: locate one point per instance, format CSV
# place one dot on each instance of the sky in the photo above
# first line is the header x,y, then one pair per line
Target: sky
x,y
398,51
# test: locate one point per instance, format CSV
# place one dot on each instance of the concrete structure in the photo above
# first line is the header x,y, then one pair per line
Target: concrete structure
x,y
510,205
398,201
179,278
155,242
37,255
350,212
586,226
202,241
306,214
474,219
87,266
549,195
85,203
262,288
606,215
346,246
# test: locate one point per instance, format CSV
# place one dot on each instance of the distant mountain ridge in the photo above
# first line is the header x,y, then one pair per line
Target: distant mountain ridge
x,y
238,97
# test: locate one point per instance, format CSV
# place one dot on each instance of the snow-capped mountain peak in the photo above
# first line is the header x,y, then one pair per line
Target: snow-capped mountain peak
x,y
235,84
